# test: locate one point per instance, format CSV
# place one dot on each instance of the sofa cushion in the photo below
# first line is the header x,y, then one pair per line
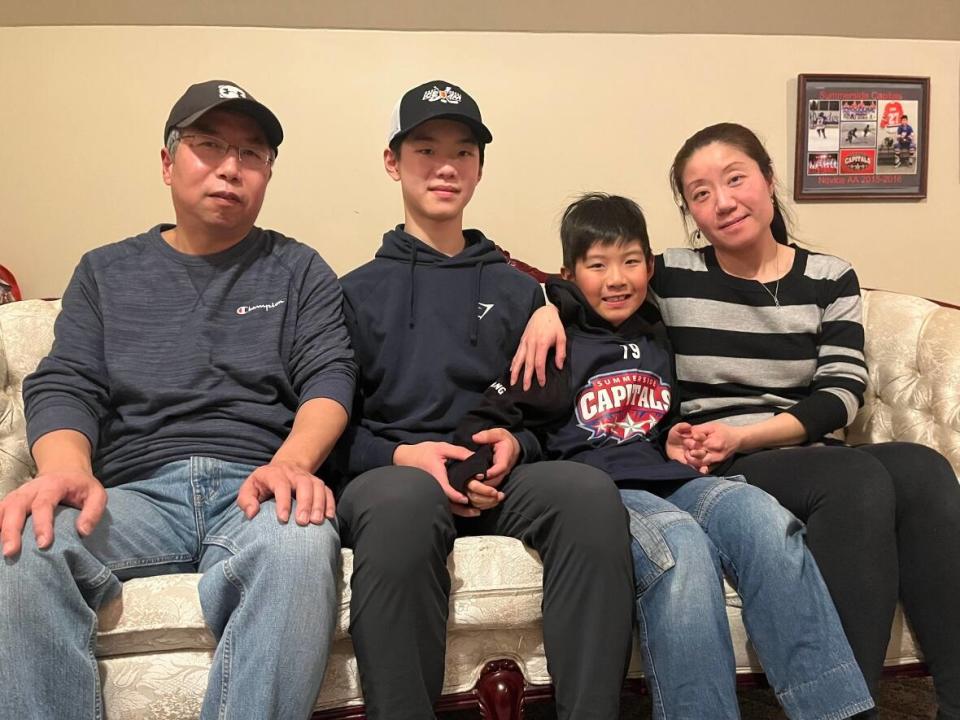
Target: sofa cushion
x,y
495,583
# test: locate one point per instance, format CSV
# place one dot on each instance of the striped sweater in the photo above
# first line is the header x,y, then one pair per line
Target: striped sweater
x,y
742,359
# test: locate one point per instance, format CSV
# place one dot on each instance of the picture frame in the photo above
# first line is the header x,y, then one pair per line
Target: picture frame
x,y
861,138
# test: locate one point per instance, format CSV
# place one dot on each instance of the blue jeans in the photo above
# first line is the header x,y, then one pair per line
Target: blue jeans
x,y
268,593
682,547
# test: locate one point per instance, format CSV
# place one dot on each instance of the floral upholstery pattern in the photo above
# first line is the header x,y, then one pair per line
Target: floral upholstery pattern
x,y
155,649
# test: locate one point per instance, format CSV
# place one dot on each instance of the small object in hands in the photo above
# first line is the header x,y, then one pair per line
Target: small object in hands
x,y
460,472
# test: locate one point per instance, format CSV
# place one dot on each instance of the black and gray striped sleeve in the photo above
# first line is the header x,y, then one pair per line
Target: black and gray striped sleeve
x,y
840,378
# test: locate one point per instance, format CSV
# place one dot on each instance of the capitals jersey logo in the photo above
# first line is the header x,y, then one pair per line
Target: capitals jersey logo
x,y
622,404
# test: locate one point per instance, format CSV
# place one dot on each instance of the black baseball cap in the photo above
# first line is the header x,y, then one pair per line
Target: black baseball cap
x,y
203,97
434,100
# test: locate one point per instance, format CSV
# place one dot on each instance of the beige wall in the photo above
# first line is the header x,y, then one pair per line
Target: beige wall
x,y
925,19
82,109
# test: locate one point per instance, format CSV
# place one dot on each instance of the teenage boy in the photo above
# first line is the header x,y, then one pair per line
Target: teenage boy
x,y
200,373
611,407
433,317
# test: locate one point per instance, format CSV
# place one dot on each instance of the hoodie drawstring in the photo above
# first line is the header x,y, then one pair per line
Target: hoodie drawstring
x,y
413,287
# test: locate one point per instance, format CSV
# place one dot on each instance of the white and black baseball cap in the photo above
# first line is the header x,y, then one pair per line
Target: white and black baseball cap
x,y
203,97
435,100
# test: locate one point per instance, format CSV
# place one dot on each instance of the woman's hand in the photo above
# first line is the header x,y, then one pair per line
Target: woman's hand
x,y
708,444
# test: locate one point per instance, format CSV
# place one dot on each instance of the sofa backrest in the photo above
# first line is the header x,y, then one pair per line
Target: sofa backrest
x,y
26,335
913,354
912,348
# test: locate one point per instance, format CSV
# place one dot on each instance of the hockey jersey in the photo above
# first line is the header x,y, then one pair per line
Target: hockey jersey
x,y
610,407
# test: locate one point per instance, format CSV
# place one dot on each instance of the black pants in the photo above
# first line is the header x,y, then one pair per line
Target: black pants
x,y
882,520
399,524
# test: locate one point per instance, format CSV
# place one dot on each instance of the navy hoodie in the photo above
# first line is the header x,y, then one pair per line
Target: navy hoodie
x,y
429,333
610,407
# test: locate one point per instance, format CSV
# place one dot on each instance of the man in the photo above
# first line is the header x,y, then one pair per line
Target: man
x,y
200,373
433,318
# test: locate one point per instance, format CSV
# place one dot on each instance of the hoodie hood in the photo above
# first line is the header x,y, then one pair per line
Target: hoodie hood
x,y
400,245
478,251
576,311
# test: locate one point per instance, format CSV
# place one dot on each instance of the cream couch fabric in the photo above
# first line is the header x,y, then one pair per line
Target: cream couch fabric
x,y
155,650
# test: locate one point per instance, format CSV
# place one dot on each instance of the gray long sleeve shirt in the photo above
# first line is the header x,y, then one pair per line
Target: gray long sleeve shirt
x,y
159,356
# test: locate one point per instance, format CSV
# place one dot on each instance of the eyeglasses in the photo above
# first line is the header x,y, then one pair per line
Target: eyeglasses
x,y
212,150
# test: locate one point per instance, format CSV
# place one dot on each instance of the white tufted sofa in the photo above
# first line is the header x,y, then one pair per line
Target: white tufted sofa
x,y
155,650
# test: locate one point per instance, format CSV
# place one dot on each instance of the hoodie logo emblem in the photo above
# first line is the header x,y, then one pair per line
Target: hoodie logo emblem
x,y
244,309
483,309
622,404
447,96
231,92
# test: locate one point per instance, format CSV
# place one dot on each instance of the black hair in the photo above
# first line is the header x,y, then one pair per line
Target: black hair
x,y
600,218
398,141
744,140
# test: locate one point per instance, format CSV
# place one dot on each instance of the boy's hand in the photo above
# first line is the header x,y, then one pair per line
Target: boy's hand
x,y
676,448
482,495
544,331
710,443
506,452
431,457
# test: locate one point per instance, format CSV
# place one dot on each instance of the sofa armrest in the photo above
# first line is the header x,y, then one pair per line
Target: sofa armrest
x,y
913,356
26,335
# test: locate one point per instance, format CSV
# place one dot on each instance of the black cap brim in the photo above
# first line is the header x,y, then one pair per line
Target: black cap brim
x,y
260,113
480,131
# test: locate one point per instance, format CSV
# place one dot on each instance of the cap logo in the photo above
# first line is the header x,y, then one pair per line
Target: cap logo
x,y
447,95
232,92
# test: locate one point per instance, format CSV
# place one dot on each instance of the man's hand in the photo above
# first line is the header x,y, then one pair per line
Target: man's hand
x,y
431,457
39,497
316,427
283,481
544,331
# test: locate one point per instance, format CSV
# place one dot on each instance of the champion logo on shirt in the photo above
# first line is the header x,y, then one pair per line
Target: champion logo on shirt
x,y
244,309
622,404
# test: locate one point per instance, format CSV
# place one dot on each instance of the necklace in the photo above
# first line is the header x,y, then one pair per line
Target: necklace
x,y
776,292
775,295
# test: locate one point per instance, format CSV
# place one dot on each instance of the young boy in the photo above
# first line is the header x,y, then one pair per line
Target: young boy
x,y
433,317
612,407
905,143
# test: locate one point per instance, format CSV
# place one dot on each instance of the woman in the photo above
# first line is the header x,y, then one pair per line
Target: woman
x,y
769,346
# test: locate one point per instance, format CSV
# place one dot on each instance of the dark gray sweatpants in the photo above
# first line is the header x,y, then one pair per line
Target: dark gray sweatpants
x,y
399,524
